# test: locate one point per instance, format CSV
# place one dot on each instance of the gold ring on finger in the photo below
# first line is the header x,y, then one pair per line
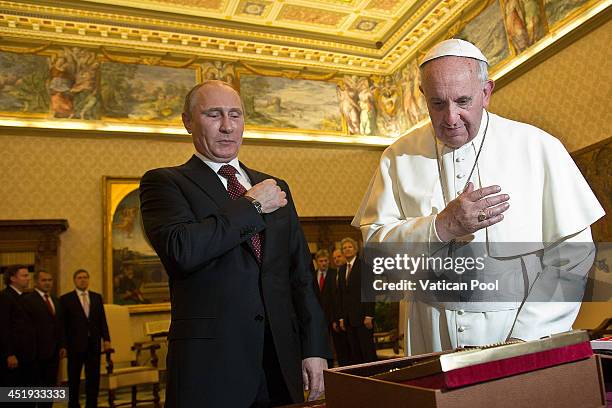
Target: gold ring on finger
x,y
482,216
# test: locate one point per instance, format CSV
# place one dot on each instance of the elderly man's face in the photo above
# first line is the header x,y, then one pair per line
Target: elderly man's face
x,y
216,122
455,98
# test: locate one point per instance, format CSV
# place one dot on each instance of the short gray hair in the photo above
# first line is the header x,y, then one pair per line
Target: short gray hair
x,y
351,240
483,71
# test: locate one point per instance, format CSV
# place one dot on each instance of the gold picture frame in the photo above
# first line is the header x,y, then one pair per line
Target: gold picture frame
x,y
133,274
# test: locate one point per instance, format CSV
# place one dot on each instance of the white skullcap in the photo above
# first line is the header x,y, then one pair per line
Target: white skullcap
x,y
454,47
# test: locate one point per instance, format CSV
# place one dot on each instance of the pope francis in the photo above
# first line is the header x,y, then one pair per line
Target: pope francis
x,y
473,176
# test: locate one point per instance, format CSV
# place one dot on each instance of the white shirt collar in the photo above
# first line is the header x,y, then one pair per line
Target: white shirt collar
x,y
80,292
41,293
216,166
351,262
16,290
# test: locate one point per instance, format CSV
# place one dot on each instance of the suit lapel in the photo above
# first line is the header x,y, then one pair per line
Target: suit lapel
x,y
205,178
43,303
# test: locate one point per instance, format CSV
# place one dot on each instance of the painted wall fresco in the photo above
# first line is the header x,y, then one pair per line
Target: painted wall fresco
x,y
144,93
487,32
76,83
557,10
525,22
23,83
415,107
282,103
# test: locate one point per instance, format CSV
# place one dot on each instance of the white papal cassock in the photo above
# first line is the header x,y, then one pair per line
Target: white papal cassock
x,y
550,205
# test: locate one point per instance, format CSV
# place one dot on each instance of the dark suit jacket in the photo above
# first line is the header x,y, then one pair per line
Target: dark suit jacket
x,y
326,297
17,334
221,298
352,309
78,327
50,335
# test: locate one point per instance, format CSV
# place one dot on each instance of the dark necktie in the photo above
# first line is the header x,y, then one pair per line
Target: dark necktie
x,y
49,305
348,274
235,191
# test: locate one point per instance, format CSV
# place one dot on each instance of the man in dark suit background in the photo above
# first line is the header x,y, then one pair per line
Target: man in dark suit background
x,y
341,346
86,333
17,334
47,317
246,329
338,259
324,281
356,317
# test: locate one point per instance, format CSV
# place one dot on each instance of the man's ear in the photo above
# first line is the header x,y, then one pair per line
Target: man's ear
x,y
186,121
487,91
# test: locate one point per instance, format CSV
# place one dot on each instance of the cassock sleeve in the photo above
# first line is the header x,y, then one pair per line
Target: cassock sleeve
x,y
381,217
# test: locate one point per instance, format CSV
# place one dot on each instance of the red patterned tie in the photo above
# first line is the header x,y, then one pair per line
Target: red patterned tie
x,y
49,306
321,281
235,191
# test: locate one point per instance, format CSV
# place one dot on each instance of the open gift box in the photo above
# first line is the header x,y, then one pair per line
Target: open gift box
x,y
569,385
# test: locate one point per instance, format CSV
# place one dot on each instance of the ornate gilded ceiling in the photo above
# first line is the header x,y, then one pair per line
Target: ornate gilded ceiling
x,y
350,36
124,66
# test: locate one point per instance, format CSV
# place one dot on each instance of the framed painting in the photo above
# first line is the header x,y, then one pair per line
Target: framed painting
x,y
278,103
133,273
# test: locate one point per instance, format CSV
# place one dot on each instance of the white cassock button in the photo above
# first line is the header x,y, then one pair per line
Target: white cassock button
x,y
460,175
461,329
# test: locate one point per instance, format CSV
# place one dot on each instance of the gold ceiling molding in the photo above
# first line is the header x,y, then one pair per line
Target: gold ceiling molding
x,y
142,33
435,22
301,74
159,61
127,22
20,50
88,35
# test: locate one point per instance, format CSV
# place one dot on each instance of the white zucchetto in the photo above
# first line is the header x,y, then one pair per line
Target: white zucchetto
x,y
454,47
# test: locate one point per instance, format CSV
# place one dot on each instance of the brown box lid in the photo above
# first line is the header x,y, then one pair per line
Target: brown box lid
x,y
570,385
